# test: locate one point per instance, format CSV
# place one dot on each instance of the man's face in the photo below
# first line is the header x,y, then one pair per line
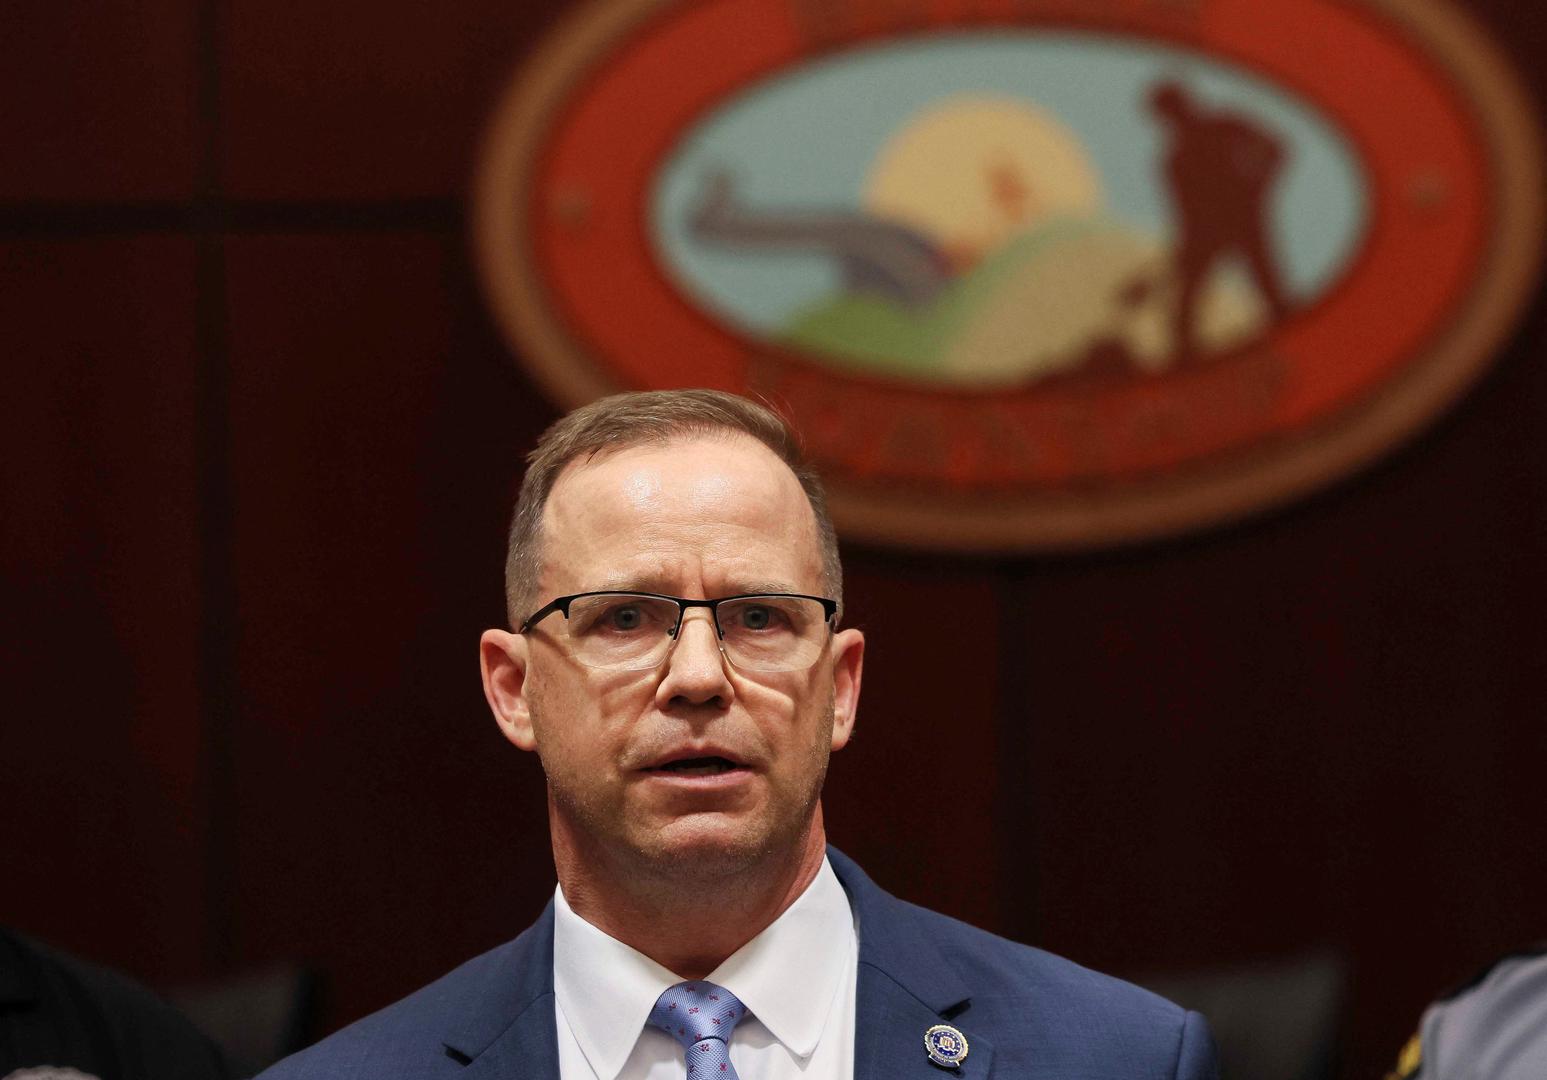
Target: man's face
x,y
697,518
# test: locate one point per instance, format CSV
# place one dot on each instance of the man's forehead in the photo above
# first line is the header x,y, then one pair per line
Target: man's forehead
x,y
705,467
696,498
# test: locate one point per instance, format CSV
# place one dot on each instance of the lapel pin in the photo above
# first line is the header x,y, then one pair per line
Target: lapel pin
x,y
945,1046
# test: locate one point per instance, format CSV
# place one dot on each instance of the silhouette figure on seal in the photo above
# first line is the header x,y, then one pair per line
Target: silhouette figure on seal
x,y
1220,169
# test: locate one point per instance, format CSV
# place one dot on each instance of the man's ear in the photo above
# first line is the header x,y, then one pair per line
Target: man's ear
x,y
848,666
502,656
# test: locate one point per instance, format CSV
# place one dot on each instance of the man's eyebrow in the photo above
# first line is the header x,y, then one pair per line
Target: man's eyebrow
x,y
652,584
632,583
752,588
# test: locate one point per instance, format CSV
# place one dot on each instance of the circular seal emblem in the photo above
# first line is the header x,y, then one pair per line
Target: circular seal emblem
x,y
945,1046
1033,275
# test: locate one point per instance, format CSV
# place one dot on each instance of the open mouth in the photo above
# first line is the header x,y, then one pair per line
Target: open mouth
x,y
696,766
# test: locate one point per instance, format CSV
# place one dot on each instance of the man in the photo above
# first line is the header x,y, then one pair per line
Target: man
x,y
676,664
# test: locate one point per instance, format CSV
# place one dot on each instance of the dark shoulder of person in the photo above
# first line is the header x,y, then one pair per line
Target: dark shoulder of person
x,y
64,1019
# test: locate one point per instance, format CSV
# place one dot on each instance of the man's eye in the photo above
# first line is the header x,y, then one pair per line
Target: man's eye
x,y
624,618
757,618
615,618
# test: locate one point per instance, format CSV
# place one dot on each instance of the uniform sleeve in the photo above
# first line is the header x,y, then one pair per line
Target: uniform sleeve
x,y
1195,1058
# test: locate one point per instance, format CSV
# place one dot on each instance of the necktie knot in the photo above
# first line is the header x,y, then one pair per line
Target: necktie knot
x,y
700,1016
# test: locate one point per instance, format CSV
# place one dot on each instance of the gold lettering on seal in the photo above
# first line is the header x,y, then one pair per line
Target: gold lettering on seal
x,y
828,24
917,443
1176,420
1176,16
1006,443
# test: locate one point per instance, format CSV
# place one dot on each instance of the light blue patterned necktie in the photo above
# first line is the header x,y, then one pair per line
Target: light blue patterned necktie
x,y
700,1016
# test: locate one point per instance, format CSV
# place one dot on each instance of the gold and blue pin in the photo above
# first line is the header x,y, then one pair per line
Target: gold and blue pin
x,y
945,1046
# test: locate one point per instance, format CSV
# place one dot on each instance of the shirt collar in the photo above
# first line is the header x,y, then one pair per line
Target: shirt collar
x,y
786,976
604,988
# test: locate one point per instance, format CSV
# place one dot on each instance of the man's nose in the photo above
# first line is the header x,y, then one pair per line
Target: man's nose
x,y
697,672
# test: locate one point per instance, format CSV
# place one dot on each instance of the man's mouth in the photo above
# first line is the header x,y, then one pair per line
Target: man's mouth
x,y
695,766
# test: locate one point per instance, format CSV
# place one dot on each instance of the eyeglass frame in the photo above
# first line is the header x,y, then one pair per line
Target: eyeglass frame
x,y
561,604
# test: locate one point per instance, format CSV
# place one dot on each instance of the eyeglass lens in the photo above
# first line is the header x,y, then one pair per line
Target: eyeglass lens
x,y
758,633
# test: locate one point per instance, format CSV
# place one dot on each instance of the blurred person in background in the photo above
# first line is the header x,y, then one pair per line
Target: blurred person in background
x,y
62,1019
1492,1028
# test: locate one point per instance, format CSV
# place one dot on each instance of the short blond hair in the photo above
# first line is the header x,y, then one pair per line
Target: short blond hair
x,y
637,419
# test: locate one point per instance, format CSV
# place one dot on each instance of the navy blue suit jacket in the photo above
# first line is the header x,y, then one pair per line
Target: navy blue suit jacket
x,y
1027,1014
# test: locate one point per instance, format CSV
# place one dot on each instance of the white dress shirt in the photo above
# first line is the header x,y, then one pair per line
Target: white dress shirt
x,y
796,978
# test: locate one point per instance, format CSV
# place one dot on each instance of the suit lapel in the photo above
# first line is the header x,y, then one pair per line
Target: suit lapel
x,y
505,1029
905,988
890,1023
526,1050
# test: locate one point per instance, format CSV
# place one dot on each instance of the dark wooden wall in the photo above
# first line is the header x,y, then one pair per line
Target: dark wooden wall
x,y
257,444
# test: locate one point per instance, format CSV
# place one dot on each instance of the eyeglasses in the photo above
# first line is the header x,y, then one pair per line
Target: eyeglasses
x,y
632,631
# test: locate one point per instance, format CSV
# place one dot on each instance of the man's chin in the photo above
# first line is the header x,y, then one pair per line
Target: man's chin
x,y
707,845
